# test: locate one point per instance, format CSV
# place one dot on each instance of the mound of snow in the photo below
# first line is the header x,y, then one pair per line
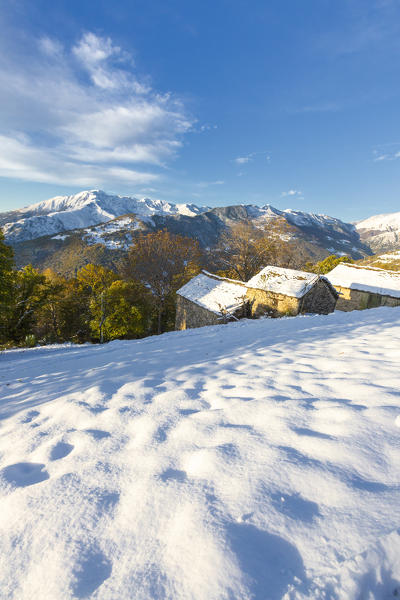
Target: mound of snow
x,y
247,461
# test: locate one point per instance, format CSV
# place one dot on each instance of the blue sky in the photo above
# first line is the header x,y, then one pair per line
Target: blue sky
x,y
290,103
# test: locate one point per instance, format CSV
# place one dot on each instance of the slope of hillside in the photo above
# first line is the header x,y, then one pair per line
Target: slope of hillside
x,y
381,232
387,260
246,461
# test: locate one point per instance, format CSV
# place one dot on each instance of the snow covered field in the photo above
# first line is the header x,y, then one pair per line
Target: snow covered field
x,y
259,459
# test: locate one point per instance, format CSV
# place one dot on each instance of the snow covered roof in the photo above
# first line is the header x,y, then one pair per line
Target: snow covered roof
x,y
366,279
214,293
289,282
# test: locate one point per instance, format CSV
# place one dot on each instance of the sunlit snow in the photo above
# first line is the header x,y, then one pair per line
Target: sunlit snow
x,y
255,460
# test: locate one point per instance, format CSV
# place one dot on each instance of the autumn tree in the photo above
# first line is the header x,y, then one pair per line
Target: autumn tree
x,y
163,262
117,308
244,249
98,279
64,313
326,265
74,312
47,313
28,294
124,318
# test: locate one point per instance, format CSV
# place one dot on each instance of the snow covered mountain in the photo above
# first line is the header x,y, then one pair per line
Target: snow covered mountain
x,y
381,232
45,233
85,209
255,460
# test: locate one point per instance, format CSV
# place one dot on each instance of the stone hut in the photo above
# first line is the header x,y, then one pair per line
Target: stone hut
x,y
362,287
278,292
209,300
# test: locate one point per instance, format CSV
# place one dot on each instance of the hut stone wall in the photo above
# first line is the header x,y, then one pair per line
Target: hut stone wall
x,y
321,299
276,305
190,315
350,299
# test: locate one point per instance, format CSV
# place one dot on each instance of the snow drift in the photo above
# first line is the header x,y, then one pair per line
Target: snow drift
x,y
256,460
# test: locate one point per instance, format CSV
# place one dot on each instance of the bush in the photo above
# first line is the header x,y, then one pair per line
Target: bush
x,y
29,341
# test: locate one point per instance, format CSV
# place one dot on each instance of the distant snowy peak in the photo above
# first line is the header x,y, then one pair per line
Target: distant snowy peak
x,y
85,209
62,203
381,232
302,219
385,222
113,205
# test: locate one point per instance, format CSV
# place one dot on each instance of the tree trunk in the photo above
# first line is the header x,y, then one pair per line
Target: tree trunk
x,y
160,310
103,318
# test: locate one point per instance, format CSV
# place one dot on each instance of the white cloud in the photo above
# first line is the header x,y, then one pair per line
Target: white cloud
x,y
50,46
93,50
292,193
81,116
386,155
242,160
206,127
98,54
20,159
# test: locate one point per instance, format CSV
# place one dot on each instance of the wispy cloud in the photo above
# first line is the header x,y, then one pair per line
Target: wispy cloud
x,y
386,152
367,26
380,157
205,184
206,127
242,160
294,194
91,119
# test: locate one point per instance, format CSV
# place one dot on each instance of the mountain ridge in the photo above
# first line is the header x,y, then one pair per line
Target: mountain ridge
x,y
73,225
84,209
92,207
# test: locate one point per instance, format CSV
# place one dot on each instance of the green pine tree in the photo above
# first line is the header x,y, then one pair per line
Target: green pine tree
x,y
6,286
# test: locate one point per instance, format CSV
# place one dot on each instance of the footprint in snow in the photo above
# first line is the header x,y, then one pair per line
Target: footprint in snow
x,y
98,434
173,474
30,416
60,450
97,409
91,571
24,474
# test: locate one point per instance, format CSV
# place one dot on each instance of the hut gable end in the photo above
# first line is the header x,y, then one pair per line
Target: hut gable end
x,y
208,300
320,299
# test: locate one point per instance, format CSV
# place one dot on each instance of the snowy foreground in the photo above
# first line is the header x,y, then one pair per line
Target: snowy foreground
x,y
255,460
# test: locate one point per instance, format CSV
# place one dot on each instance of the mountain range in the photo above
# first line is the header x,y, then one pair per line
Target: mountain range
x,y
66,232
